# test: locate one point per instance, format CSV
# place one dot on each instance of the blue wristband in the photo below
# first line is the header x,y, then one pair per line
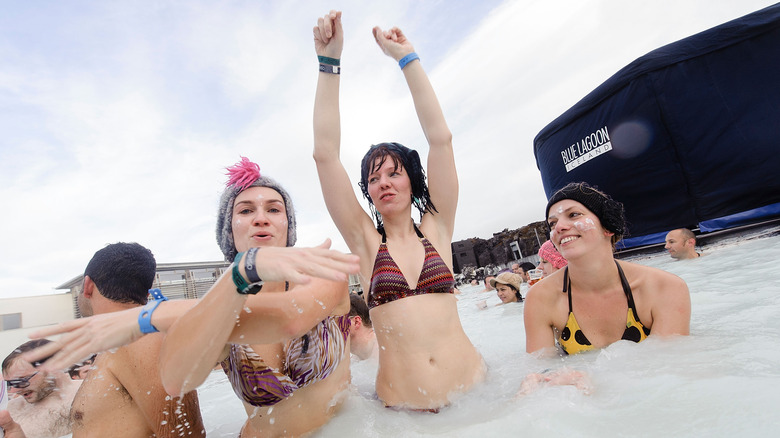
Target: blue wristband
x,y
145,317
407,59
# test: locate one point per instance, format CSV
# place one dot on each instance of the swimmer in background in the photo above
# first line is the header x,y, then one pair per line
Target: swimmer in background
x,y
603,300
362,339
488,286
524,268
41,399
550,260
425,357
681,244
507,286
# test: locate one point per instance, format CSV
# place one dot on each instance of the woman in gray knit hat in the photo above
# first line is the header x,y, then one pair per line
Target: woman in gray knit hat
x,y
299,378
277,321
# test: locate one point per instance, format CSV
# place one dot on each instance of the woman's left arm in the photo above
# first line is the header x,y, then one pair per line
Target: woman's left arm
x,y
671,307
442,176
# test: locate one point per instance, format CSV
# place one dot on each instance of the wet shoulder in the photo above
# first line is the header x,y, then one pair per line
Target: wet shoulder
x,y
99,396
648,282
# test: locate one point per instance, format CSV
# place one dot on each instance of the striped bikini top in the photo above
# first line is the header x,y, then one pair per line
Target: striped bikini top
x,y
389,284
308,359
574,341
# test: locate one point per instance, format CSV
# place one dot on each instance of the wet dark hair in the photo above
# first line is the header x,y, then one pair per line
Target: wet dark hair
x,y
404,157
123,272
358,307
527,266
610,212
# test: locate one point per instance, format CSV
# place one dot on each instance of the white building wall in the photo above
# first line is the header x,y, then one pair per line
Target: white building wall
x,y
37,311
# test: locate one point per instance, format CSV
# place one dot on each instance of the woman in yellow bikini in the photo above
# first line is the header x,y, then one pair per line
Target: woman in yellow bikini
x,y
596,300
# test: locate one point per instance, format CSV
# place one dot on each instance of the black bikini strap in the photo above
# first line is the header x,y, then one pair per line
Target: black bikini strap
x,y
567,285
627,291
416,230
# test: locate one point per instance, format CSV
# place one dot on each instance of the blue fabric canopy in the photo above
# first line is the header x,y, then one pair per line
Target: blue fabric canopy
x,y
685,135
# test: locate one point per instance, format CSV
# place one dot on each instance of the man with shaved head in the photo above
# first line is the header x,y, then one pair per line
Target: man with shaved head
x,y
681,244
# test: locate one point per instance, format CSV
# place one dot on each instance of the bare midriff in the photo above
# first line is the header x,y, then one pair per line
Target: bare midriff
x,y
424,355
306,410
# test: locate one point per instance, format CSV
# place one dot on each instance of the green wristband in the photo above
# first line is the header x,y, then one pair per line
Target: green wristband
x,y
242,286
329,61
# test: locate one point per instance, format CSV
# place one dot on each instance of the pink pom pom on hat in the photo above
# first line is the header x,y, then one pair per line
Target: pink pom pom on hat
x,y
242,174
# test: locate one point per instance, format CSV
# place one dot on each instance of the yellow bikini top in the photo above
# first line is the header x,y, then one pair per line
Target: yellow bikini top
x,y
574,341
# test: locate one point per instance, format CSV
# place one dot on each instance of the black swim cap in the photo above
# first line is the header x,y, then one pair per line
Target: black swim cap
x,y
610,212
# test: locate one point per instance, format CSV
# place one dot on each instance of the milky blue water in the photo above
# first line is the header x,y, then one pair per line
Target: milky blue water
x,y
722,381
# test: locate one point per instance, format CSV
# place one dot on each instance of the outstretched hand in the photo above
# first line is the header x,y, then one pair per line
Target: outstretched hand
x,y
329,35
564,376
298,265
85,336
393,42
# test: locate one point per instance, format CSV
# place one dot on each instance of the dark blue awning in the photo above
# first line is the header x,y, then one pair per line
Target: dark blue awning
x,y
686,134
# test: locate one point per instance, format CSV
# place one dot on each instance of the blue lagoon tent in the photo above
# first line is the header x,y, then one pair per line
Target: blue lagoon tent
x,y
685,136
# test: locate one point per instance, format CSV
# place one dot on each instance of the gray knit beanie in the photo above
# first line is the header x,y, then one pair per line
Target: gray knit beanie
x,y
244,175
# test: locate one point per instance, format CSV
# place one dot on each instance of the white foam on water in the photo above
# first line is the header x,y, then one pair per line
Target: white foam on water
x,y
722,381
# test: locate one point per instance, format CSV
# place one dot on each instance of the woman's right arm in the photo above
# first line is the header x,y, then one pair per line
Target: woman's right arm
x,y
345,210
538,327
84,336
199,339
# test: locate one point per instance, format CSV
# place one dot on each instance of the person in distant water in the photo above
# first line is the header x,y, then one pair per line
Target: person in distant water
x,y
681,244
524,268
507,286
118,277
425,356
603,300
550,260
79,371
42,403
362,339
488,287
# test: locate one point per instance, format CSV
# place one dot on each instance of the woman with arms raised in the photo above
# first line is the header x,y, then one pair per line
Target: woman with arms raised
x,y
611,300
424,354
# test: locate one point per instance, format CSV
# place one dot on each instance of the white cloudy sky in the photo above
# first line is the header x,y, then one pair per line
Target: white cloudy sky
x,y
117,118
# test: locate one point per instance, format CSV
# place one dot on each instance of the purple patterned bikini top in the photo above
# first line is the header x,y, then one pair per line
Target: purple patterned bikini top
x,y
308,359
389,284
